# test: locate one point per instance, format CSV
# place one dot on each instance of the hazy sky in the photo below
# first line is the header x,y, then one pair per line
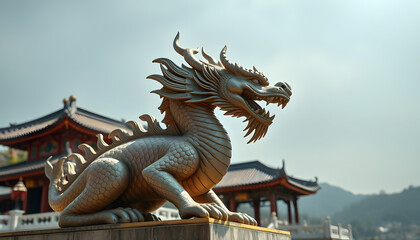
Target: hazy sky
x,y
354,67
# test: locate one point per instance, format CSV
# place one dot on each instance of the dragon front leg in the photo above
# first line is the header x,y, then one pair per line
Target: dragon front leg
x,y
211,200
105,180
180,162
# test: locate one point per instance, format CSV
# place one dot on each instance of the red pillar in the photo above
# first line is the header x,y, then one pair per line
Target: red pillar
x,y
296,211
257,214
25,202
45,207
232,204
273,204
289,212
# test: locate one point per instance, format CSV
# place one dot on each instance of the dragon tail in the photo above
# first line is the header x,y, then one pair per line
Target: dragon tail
x,y
67,170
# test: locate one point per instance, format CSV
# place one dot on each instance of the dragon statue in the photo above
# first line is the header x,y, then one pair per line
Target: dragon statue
x,y
140,170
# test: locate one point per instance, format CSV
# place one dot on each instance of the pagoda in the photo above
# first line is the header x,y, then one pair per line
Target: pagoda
x,y
255,183
55,135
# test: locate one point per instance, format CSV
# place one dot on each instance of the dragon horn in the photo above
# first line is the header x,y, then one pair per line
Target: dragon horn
x,y
233,67
228,65
187,53
240,70
209,58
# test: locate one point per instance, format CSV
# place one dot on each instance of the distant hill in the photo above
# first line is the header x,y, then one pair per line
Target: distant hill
x,y
327,201
381,209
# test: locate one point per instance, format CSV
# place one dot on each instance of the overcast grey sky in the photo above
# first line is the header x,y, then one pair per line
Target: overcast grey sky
x,y
353,120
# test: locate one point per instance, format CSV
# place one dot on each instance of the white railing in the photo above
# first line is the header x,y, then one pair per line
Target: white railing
x,y
4,223
37,221
304,231
16,221
167,213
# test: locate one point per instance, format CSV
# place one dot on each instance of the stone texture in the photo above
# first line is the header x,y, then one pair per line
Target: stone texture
x,y
143,168
201,228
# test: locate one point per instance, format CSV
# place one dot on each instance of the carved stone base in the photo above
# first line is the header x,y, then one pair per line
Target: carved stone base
x,y
199,228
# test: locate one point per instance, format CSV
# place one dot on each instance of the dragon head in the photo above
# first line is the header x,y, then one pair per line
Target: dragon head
x,y
230,87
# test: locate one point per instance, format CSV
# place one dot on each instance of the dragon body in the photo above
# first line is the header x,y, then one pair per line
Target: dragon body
x,y
142,169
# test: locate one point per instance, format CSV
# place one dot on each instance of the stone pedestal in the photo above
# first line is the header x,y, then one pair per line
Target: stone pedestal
x,y
200,228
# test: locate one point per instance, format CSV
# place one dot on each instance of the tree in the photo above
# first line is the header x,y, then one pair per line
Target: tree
x,y
12,156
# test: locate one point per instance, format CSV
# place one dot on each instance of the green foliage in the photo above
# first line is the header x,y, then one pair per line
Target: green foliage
x,y
12,156
385,208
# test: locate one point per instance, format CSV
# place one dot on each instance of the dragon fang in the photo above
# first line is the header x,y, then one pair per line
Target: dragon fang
x,y
142,169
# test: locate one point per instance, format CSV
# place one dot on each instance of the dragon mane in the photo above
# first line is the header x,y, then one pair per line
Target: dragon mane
x,y
201,83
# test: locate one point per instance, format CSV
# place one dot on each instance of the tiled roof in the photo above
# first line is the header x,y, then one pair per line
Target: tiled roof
x,y
26,167
96,122
79,116
248,173
5,191
255,172
28,128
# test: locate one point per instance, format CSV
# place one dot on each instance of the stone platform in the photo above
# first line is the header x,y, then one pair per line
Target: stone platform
x,y
199,228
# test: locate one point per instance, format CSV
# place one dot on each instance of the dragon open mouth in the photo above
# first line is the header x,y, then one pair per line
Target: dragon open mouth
x,y
250,97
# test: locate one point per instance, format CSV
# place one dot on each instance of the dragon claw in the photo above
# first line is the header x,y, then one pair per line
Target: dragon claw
x,y
125,215
216,211
193,211
151,217
242,218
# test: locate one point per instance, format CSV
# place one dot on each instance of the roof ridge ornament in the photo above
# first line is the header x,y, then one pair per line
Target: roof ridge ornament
x,y
70,105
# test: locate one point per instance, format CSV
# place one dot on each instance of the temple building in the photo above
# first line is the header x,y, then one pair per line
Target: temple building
x,y
255,183
57,134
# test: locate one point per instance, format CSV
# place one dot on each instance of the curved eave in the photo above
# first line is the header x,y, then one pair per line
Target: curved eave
x,y
59,123
303,190
83,120
70,123
283,181
63,122
5,192
5,197
25,169
92,123
22,175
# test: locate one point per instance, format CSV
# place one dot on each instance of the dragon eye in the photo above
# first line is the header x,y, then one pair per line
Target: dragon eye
x,y
255,81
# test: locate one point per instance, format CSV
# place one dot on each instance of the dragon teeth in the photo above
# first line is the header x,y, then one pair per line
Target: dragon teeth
x,y
270,99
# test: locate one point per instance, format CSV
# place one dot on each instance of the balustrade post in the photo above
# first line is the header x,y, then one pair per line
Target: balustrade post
x,y
339,231
350,232
15,216
327,228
